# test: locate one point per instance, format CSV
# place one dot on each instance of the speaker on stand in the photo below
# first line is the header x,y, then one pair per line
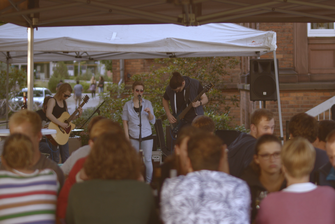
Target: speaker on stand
x,y
262,80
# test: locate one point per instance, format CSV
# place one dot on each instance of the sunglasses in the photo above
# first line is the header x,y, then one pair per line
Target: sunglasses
x,y
67,96
139,90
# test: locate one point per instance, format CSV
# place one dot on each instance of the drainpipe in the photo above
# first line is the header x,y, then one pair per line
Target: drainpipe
x,y
121,75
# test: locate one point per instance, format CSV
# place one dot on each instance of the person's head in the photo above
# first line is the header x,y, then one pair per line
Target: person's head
x,y
205,152
325,127
138,88
63,92
104,126
180,148
267,155
101,78
93,121
77,81
60,81
204,123
262,122
177,82
45,103
330,147
303,125
29,123
18,151
298,158
112,158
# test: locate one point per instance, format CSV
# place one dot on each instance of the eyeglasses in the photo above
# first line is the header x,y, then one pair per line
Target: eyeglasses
x,y
67,96
139,90
267,156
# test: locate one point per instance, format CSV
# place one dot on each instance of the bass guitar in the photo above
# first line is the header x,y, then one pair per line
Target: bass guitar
x,y
62,135
180,117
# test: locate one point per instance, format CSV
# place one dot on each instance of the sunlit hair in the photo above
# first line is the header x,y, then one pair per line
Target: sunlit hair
x,y
258,114
331,137
298,157
205,151
103,126
262,140
137,83
62,89
45,103
325,127
93,122
187,131
204,123
28,116
176,80
112,157
304,125
18,151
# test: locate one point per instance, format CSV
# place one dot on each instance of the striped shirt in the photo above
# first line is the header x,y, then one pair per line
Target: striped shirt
x,y
28,198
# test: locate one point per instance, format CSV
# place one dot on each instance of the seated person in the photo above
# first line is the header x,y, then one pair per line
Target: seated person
x,y
301,201
326,174
325,127
27,195
264,174
204,123
205,194
112,170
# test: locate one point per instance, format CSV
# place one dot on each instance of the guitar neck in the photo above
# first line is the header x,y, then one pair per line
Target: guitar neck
x,y
75,112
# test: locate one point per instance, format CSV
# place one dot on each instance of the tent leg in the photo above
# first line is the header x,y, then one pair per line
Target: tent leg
x,y
7,97
30,59
278,97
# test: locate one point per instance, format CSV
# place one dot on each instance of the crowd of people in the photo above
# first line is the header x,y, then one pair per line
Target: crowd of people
x,y
254,179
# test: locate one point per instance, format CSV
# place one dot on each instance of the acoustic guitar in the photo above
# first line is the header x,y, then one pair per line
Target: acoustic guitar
x,y
176,126
62,135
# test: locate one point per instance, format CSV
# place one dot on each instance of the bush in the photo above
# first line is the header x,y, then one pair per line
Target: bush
x,y
61,71
52,84
17,80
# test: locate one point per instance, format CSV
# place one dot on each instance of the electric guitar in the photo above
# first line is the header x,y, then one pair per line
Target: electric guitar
x,y
176,126
62,135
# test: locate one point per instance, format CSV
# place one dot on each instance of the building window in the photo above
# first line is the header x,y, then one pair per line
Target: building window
x,y
321,29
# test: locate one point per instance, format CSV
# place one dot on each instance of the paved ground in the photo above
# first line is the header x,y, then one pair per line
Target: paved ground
x,y
92,102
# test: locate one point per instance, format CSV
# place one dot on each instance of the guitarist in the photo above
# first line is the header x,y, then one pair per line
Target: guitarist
x,y
182,91
56,107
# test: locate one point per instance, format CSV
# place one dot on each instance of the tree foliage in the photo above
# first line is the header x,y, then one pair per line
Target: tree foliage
x,y
61,71
17,79
208,70
108,64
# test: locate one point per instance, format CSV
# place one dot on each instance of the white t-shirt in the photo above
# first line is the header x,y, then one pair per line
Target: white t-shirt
x,y
78,154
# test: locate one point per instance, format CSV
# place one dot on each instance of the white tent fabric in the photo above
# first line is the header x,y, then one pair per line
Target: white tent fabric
x,y
134,41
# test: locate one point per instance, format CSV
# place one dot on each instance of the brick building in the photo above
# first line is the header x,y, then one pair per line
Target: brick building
x,y
306,72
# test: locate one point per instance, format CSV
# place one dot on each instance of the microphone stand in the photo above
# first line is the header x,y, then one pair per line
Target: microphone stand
x,y
140,125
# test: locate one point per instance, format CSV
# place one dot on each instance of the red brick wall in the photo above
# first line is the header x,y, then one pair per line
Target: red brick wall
x,y
285,46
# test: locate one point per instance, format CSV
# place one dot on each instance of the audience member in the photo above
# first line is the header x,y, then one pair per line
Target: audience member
x,y
325,127
81,152
326,174
29,123
27,195
100,127
241,151
306,126
101,84
112,168
301,201
264,174
204,123
205,195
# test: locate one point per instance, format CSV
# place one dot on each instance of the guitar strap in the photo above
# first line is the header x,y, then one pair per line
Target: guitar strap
x,y
175,100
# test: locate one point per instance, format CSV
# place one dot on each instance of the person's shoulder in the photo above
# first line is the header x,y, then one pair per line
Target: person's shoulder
x,y
326,190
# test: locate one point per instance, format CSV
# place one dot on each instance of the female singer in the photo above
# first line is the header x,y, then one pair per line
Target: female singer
x,y
131,120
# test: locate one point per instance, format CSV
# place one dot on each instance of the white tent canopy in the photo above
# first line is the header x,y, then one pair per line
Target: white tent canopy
x,y
134,41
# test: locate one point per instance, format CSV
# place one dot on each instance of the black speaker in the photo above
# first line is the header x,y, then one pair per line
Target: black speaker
x,y
262,80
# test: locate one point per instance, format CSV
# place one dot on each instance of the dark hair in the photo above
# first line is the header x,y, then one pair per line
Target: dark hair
x,y
258,114
331,137
205,151
305,126
187,131
60,80
325,127
137,83
45,103
112,158
204,123
93,122
77,81
262,140
176,80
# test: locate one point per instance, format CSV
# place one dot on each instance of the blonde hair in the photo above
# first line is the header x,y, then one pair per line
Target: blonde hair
x,y
298,157
24,116
18,151
103,126
62,89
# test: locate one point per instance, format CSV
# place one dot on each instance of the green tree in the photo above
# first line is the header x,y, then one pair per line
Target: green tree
x,y
17,79
61,71
108,64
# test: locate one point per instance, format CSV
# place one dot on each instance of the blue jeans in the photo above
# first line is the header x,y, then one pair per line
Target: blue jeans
x,y
63,150
147,151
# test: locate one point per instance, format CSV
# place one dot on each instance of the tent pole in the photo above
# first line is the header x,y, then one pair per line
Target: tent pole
x,y
278,97
7,97
30,59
